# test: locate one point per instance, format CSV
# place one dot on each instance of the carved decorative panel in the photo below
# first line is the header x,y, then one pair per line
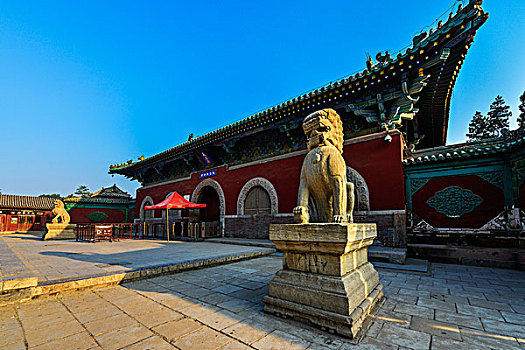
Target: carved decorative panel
x,y
495,178
362,195
454,201
416,184
97,216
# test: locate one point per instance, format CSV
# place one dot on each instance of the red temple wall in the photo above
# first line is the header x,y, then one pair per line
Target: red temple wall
x,y
36,224
378,161
80,215
283,174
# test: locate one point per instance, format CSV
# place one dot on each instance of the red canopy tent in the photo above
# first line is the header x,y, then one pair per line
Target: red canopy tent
x,y
174,201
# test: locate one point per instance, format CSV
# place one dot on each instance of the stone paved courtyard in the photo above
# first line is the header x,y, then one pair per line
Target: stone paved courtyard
x,y
25,255
452,307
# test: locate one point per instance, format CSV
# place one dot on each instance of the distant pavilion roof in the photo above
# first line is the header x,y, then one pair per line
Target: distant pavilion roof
x,y
11,201
111,192
106,195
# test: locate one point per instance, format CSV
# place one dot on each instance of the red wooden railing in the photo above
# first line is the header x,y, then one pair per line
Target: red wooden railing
x,y
88,232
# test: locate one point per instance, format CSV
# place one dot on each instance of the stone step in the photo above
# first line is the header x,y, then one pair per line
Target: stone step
x,y
265,243
410,265
387,254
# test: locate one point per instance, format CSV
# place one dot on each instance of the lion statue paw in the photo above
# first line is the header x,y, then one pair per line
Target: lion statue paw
x,y
301,215
338,218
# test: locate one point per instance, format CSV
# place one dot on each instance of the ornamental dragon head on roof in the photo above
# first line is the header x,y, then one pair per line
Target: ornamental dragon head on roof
x,y
410,91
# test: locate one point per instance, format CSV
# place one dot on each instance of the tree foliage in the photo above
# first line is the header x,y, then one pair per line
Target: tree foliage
x,y
521,107
499,115
51,195
477,129
82,191
484,127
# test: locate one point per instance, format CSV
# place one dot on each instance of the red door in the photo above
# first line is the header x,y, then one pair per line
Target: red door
x,y
2,223
12,224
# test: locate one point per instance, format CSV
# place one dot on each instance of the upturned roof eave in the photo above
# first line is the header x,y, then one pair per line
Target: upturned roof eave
x,y
262,118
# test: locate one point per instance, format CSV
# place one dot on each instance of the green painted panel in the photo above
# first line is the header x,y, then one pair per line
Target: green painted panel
x,y
520,176
416,184
97,216
495,178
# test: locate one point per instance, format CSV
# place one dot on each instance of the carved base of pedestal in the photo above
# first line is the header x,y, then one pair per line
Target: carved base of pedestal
x,y
59,231
348,326
335,303
326,278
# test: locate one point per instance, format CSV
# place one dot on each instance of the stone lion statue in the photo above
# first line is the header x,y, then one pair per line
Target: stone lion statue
x,y
325,195
60,212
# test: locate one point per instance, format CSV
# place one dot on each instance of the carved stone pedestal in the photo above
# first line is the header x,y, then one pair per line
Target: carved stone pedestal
x,y
59,231
326,278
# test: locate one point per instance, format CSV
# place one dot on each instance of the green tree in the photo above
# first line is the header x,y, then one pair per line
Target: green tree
x,y
498,116
82,191
477,129
497,119
51,195
521,107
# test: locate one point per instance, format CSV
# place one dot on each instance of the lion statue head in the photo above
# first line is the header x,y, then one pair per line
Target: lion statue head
x,y
324,128
58,204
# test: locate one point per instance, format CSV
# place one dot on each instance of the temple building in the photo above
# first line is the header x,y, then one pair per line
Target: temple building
x,y
24,213
28,213
109,204
247,172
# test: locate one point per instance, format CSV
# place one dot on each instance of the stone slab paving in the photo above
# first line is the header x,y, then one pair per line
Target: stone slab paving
x,y
452,307
55,261
11,266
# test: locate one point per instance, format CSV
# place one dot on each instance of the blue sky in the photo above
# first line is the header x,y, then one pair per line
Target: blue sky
x,y
87,84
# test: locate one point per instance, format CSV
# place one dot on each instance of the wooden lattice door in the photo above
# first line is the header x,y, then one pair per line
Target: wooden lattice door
x,y
257,202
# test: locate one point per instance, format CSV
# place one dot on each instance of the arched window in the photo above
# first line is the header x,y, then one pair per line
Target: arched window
x,y
257,202
148,214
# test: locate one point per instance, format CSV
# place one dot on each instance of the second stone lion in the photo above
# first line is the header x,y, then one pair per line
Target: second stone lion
x,y
324,195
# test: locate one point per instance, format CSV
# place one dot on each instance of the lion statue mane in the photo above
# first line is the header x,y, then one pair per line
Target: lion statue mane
x,y
325,194
60,212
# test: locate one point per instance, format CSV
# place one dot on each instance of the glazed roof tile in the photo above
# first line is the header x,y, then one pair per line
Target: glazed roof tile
x,y
111,192
11,201
98,200
466,150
